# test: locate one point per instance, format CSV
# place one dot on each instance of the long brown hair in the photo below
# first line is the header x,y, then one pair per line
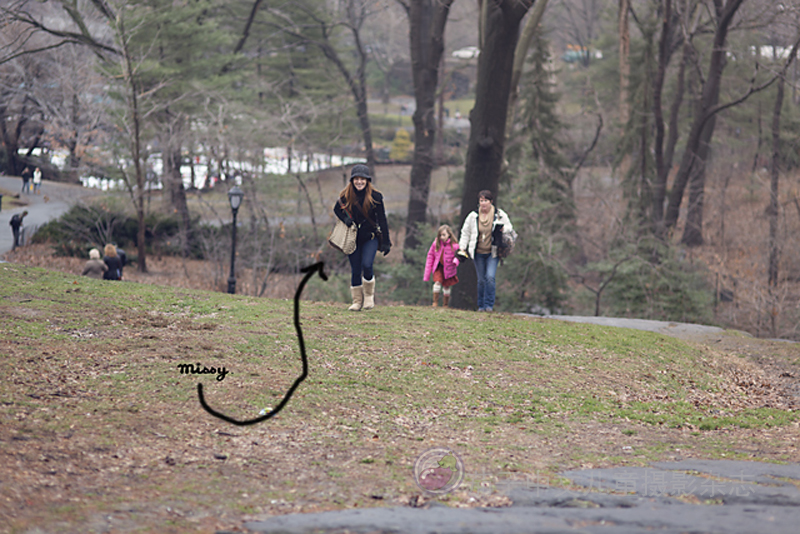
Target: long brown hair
x,y
450,235
348,194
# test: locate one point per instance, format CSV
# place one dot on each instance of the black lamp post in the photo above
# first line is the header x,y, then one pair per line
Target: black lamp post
x,y
235,196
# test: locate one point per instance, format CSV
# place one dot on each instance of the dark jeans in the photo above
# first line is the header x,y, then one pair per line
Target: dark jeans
x,y
486,268
361,262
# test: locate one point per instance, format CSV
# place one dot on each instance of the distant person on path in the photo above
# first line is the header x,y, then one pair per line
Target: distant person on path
x,y
481,233
113,262
37,180
16,224
26,178
361,204
442,264
95,267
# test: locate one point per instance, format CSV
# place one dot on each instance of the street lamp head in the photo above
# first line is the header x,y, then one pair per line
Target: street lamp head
x,y
235,197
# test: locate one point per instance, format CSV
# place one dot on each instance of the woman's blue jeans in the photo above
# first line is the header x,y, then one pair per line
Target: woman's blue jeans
x,y
361,262
486,267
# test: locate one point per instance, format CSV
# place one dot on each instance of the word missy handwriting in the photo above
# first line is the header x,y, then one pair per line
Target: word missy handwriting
x,y
187,368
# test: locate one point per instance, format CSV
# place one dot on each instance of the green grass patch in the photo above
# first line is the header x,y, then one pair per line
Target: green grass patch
x,y
98,362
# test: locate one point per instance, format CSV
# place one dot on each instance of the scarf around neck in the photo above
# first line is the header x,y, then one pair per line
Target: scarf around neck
x,y
485,224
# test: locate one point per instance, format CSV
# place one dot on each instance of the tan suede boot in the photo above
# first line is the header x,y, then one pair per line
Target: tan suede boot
x,y
369,294
446,302
358,298
435,299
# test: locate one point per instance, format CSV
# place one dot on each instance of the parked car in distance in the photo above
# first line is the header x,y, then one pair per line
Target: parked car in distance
x,y
468,52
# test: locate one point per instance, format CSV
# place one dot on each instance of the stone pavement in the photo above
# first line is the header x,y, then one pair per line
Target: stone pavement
x,y
697,496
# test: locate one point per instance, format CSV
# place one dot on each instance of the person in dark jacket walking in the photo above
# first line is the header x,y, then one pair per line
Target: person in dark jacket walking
x,y
113,262
123,258
361,204
26,179
16,224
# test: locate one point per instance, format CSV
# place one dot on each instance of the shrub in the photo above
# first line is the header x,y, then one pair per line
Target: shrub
x,y
84,227
401,146
671,290
404,279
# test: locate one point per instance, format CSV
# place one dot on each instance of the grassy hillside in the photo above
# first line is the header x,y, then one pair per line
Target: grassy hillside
x,y
97,422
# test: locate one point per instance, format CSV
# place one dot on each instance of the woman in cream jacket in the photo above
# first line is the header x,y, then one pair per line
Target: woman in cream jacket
x,y
481,234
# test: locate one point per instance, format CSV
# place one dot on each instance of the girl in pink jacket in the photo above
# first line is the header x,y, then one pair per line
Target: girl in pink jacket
x,y
442,263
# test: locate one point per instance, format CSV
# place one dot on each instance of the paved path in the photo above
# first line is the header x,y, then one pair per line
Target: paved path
x,y
732,498
684,331
55,199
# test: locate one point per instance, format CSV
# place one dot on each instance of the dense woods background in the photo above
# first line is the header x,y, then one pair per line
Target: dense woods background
x,y
646,150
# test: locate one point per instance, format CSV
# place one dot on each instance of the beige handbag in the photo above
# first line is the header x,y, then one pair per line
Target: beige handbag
x,y
343,237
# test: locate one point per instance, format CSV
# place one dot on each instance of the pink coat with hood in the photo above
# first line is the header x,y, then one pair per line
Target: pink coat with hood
x,y
446,255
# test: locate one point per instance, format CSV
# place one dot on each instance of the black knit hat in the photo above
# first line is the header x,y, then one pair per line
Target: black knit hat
x,y
360,170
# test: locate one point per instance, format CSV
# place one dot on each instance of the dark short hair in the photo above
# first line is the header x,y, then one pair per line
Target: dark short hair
x,y
486,194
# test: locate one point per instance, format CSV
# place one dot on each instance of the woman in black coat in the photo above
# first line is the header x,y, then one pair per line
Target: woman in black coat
x,y
114,263
361,204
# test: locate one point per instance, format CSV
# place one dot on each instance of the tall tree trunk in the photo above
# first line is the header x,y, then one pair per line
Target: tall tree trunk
x,y
427,20
11,145
521,52
74,160
659,187
665,155
136,152
177,196
772,211
693,231
488,119
697,144
363,121
135,143
624,60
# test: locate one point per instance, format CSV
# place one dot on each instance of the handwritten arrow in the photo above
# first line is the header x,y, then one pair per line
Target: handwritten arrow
x,y
310,270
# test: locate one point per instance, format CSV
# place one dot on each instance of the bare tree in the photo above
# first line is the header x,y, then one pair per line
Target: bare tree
x,y
321,32
74,120
681,22
772,209
500,27
696,152
427,20
531,30
132,120
579,23
23,74
16,112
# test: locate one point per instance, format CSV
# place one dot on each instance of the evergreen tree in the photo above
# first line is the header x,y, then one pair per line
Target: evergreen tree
x,y
539,193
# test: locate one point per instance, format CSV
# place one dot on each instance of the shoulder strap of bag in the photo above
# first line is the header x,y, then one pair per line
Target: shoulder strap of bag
x,y
344,209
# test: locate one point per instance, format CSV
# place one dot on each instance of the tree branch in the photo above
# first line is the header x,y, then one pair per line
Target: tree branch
x,y
756,89
247,26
